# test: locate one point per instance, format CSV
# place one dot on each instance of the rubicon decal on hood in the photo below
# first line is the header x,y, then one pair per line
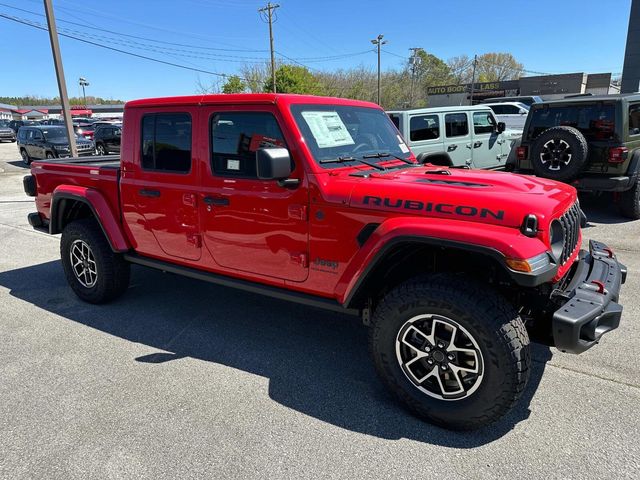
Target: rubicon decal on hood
x,y
444,208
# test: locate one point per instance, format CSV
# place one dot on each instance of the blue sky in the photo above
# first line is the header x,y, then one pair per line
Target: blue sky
x,y
547,36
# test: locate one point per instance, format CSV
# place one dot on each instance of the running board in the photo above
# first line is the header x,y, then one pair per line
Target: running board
x,y
253,287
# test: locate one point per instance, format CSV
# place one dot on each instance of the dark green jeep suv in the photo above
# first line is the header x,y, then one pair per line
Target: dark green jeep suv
x,y
591,142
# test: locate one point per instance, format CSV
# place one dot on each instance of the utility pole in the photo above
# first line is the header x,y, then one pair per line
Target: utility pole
x,y
379,42
473,76
415,62
83,83
62,86
269,9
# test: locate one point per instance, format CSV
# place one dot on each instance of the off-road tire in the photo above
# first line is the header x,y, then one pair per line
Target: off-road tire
x,y
113,271
630,202
487,316
577,146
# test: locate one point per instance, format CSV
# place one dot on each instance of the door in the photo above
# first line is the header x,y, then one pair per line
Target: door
x,y
252,225
457,142
486,141
160,188
425,134
36,144
114,139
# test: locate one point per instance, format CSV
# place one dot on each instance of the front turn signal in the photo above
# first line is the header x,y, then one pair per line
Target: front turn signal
x,y
529,265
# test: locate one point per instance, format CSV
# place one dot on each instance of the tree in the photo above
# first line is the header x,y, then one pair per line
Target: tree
x,y
255,75
495,67
294,79
461,69
431,70
234,84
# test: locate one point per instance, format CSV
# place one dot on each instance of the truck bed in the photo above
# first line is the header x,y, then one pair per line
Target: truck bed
x,y
101,173
102,161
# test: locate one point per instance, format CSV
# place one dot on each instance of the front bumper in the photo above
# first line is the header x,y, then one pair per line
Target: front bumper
x,y
590,307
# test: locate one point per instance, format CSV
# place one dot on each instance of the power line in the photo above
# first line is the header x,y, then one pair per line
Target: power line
x,y
136,36
201,70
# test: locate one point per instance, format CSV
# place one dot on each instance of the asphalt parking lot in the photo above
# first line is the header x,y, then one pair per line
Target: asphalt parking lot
x,y
181,379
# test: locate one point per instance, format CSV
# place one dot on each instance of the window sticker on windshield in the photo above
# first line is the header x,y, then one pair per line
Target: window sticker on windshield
x,y
328,129
402,145
233,164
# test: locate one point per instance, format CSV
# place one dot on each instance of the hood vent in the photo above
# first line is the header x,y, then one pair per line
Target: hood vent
x,y
454,183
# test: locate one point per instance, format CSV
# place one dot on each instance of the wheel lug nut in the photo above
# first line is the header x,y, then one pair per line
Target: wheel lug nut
x,y
450,357
440,345
443,366
430,361
427,349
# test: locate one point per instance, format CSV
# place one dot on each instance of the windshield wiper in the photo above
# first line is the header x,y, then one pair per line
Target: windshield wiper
x,y
387,154
353,159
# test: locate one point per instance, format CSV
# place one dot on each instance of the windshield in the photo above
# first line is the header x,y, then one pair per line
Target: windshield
x,y
54,133
333,132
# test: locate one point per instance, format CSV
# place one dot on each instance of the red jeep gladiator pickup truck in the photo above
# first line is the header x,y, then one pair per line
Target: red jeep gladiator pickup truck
x,y
319,200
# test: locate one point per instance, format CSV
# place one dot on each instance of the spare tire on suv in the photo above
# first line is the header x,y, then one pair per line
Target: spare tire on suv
x,y
559,153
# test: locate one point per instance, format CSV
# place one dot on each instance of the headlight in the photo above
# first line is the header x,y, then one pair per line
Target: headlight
x,y
556,238
530,265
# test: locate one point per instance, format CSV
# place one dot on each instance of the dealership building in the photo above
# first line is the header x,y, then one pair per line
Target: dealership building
x,y
548,87
43,112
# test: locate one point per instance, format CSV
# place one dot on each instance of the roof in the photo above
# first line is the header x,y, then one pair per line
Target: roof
x,y
246,98
457,108
595,98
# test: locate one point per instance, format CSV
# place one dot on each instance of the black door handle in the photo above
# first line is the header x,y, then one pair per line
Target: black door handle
x,y
451,148
149,193
477,144
219,201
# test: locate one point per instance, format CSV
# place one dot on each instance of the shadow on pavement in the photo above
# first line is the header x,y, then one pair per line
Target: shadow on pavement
x,y
316,361
602,209
19,163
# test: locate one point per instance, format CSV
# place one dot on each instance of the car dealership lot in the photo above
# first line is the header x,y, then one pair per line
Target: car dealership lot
x,y
183,379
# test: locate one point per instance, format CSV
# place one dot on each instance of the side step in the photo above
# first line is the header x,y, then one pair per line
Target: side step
x,y
253,287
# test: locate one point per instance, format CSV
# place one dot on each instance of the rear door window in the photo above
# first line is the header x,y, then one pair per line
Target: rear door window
x,y
456,124
424,127
166,142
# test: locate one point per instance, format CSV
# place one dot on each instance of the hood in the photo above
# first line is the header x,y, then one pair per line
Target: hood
x,y
63,142
472,195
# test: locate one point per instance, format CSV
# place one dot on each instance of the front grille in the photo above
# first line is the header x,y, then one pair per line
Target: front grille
x,y
570,222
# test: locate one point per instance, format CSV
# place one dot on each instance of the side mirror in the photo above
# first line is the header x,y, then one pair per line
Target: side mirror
x,y
118,133
523,111
273,163
501,127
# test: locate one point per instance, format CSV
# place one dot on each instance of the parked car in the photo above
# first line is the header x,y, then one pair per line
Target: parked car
x,y
591,142
84,130
318,200
40,142
107,139
528,100
16,124
6,132
52,121
513,114
454,136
